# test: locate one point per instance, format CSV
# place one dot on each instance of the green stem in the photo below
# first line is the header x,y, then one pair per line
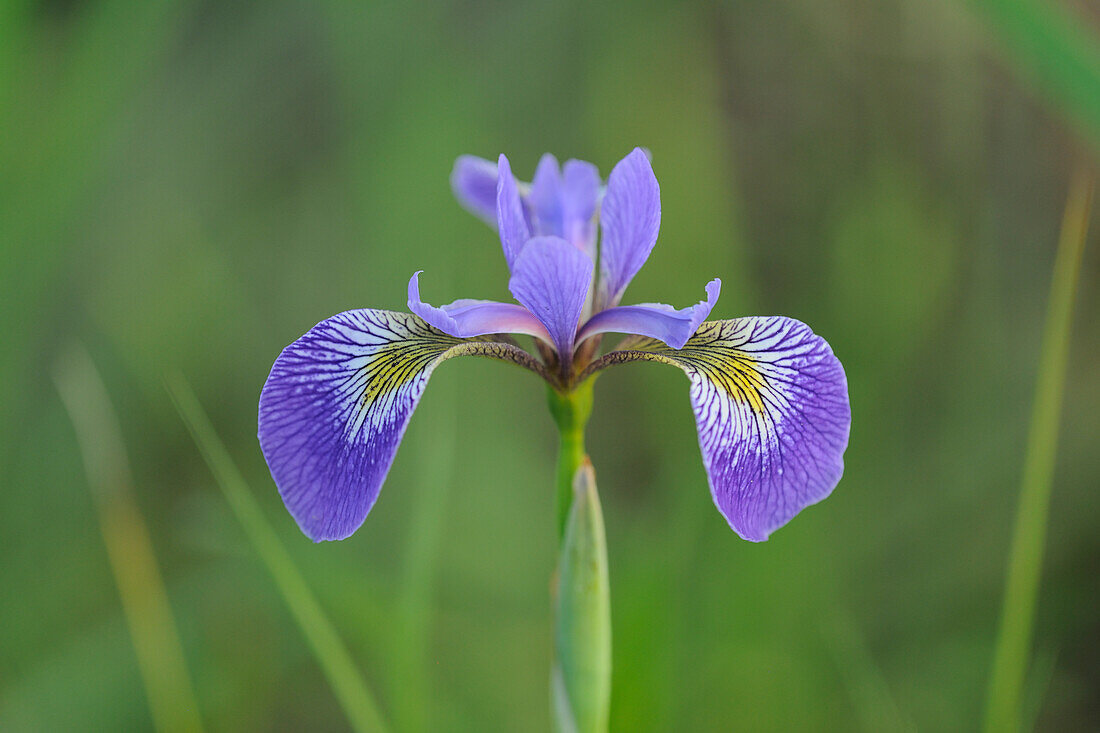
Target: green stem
x,y
580,679
570,411
1025,559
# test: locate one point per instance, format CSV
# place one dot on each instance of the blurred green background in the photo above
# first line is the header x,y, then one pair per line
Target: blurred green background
x,y
192,185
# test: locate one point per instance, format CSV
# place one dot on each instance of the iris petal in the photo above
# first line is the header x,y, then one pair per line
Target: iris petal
x,y
336,404
630,217
466,318
772,412
579,196
551,278
545,198
474,182
514,231
334,409
655,320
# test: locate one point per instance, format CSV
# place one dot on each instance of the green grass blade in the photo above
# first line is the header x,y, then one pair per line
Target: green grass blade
x,y
1012,651
1057,53
141,588
347,683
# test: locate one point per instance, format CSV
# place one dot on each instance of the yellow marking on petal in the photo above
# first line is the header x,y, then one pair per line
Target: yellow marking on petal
x,y
734,371
398,363
742,381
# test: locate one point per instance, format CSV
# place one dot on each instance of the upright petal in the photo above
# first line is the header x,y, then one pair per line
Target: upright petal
x,y
474,183
771,408
545,198
655,320
514,231
580,194
466,318
336,404
551,278
630,218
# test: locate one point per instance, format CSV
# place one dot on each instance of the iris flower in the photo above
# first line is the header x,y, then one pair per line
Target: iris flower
x,y
770,398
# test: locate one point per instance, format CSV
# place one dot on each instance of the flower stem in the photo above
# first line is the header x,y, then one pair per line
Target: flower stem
x,y
570,411
580,678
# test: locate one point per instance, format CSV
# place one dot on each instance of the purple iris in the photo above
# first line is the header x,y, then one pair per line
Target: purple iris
x,y
549,240
769,396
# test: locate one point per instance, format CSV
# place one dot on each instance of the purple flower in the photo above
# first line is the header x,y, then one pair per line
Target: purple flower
x,y
549,241
770,398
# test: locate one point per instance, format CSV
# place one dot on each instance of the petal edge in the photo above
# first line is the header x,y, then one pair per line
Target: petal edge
x,y
630,218
469,318
655,320
511,220
474,184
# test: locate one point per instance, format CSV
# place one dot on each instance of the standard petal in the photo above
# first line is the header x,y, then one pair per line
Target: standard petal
x,y
545,198
580,193
514,231
466,318
474,182
336,404
771,408
655,320
551,278
630,217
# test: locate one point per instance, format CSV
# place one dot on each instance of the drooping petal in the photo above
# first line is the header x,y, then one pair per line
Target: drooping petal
x,y
466,318
474,183
771,408
580,194
545,198
551,278
336,404
655,320
630,217
514,231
